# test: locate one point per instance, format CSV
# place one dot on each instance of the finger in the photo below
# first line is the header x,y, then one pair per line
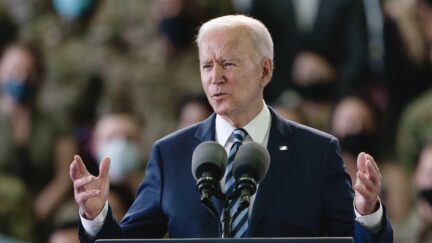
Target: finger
x,y
83,181
82,197
82,170
104,167
362,179
361,162
373,174
373,162
364,192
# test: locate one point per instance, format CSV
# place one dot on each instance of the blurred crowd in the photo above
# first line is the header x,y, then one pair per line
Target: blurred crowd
x,y
108,78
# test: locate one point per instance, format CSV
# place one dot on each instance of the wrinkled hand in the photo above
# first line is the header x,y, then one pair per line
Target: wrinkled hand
x,y
310,68
368,184
90,192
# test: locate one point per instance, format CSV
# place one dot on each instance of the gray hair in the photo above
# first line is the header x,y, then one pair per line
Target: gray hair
x,y
260,37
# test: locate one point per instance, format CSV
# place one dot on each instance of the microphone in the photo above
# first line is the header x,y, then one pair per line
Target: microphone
x,y
250,167
208,167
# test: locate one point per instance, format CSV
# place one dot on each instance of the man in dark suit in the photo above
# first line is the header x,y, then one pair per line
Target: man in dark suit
x,y
305,193
321,45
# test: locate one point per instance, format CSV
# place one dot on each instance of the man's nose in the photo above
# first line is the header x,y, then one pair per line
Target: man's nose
x,y
217,75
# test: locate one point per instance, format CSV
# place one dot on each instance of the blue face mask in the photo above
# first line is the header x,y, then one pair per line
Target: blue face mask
x,y
20,91
125,158
72,10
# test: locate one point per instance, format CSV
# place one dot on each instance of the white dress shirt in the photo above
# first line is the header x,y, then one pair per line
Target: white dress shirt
x,y
258,131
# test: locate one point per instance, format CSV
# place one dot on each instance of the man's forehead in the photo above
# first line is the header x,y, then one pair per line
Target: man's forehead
x,y
229,32
218,46
228,45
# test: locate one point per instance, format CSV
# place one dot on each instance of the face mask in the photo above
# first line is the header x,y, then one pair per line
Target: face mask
x,y
356,143
125,157
317,92
427,195
72,9
20,91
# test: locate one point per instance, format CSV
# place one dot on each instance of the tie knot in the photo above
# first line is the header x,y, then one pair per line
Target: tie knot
x,y
239,134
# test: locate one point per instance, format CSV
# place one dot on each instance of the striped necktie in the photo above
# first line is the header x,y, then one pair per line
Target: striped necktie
x,y
239,220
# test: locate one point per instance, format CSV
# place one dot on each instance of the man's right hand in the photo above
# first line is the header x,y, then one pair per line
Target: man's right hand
x,y
91,192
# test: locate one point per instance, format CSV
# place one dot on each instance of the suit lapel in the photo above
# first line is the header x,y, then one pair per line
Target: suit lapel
x,y
206,130
280,149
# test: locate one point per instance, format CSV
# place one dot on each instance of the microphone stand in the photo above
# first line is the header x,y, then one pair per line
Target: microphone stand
x,y
226,216
209,205
246,186
226,219
207,187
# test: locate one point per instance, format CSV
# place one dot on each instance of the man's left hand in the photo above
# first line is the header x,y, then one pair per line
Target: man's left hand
x,y
368,184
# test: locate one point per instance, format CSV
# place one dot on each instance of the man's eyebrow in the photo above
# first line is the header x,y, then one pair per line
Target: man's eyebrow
x,y
233,59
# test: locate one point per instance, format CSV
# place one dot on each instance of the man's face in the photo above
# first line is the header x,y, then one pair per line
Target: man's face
x,y
17,64
231,79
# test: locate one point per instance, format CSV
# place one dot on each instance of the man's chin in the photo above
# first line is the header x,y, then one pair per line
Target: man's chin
x,y
221,111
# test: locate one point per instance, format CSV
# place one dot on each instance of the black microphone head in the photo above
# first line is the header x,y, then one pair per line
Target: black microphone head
x,y
252,159
211,157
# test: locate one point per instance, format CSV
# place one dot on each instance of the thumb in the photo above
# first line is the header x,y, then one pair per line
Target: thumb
x,y
104,167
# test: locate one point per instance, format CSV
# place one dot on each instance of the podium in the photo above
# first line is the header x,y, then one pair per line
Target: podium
x,y
242,240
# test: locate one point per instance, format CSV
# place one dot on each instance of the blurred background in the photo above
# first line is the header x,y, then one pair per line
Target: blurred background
x,y
110,77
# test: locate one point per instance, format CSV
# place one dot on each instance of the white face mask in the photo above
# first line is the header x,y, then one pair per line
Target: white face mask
x,y
125,157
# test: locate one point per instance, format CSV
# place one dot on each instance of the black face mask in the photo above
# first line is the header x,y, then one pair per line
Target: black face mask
x,y
426,194
317,92
356,143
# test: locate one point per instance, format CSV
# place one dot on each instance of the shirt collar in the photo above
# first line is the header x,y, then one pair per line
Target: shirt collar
x,y
256,128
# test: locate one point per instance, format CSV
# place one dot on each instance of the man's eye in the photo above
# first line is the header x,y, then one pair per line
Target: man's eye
x,y
228,64
206,66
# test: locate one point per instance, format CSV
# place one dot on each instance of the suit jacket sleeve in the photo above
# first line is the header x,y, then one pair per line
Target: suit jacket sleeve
x,y
338,201
144,218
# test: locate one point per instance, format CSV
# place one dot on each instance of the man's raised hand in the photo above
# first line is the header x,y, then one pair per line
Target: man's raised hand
x,y
91,192
368,184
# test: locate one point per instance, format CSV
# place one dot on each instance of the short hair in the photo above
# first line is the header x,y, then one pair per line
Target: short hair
x,y
260,36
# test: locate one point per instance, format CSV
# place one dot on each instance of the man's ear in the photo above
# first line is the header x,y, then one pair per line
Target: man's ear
x,y
267,71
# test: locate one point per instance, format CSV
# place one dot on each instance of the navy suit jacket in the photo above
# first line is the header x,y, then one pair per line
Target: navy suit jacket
x,y
305,193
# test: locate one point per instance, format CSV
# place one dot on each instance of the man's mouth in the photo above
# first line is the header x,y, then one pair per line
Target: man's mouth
x,y
219,94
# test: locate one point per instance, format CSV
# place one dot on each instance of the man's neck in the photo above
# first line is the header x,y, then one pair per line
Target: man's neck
x,y
243,119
